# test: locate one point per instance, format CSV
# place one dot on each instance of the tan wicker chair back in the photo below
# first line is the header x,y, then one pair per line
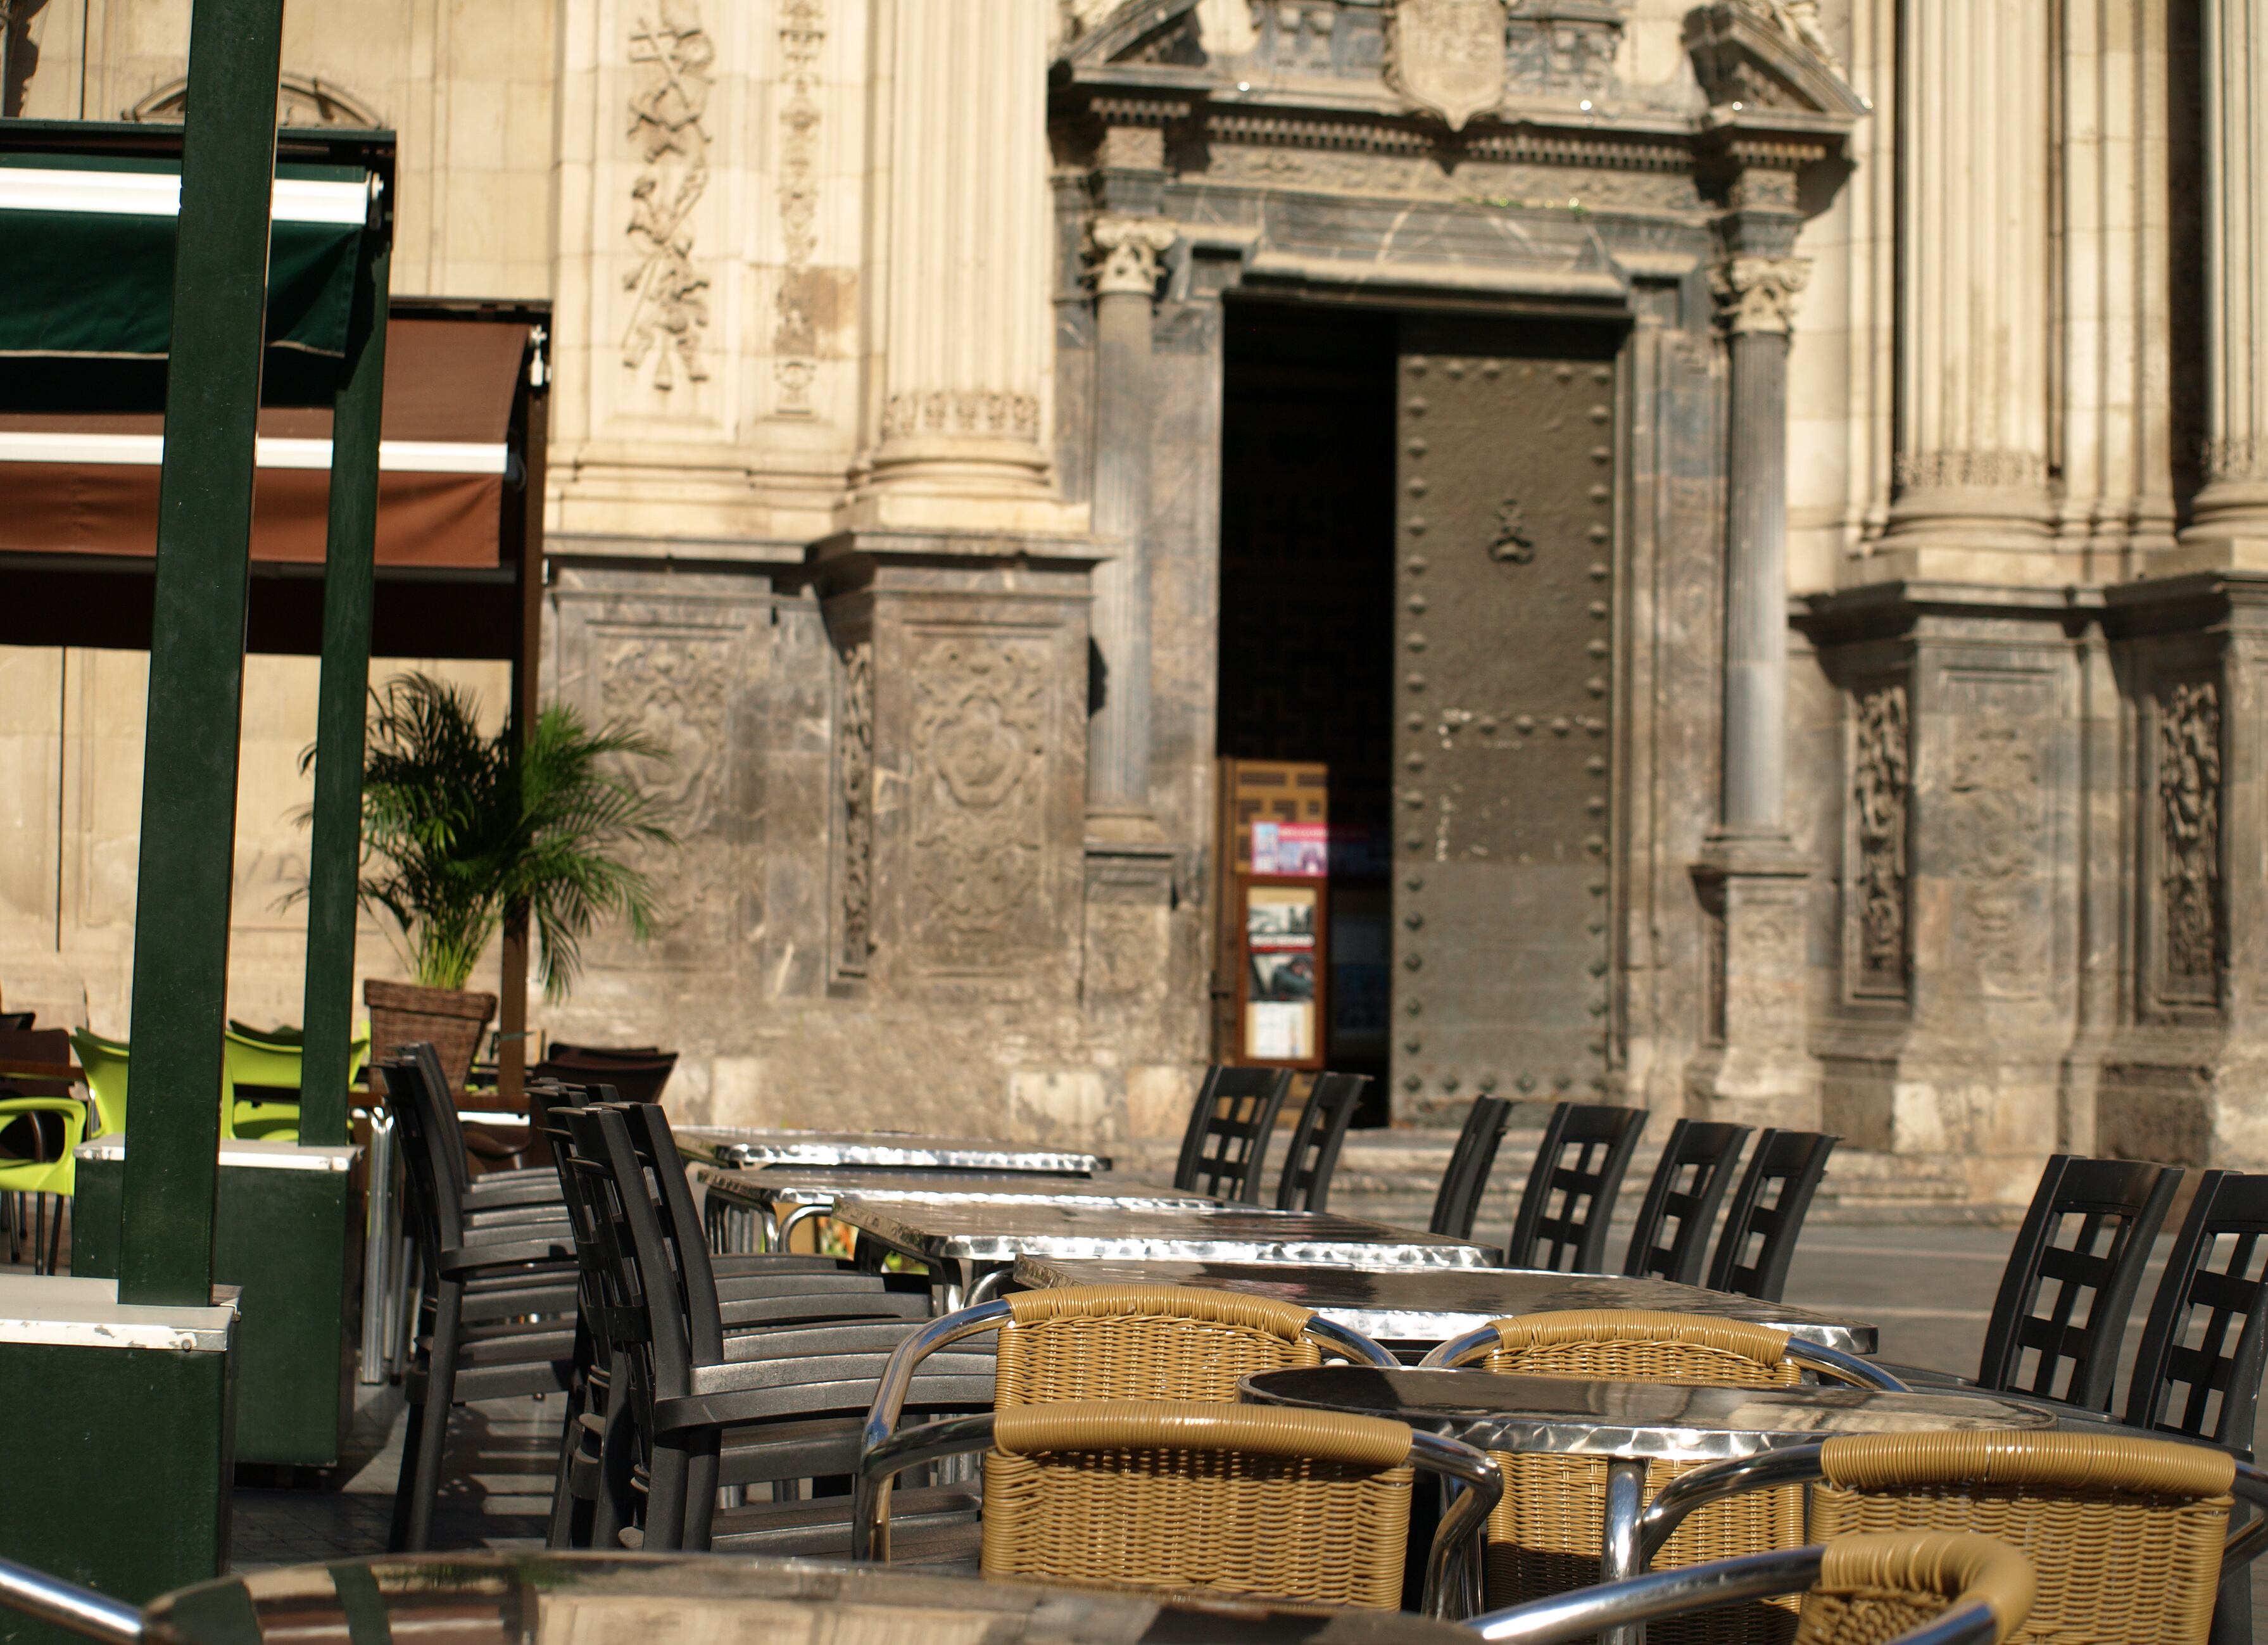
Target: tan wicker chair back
x,y
1143,1342
1872,1588
2123,1534
1304,1506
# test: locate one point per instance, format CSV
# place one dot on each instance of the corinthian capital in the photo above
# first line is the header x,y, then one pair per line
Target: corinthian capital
x,y
1126,251
1759,293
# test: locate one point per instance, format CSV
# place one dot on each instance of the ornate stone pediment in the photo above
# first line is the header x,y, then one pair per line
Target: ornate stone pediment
x,y
1161,32
1769,57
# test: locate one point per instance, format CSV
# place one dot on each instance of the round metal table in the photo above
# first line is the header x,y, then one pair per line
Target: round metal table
x,y
1627,1424
601,1599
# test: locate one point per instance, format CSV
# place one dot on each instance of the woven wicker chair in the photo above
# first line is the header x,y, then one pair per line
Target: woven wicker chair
x,y
2125,1534
1546,1537
1126,1342
1903,1589
1306,1506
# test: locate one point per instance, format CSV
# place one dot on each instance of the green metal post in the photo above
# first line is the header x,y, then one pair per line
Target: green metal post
x,y
334,854
196,652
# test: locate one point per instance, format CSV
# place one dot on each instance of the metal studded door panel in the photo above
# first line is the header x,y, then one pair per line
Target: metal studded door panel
x,y
1504,741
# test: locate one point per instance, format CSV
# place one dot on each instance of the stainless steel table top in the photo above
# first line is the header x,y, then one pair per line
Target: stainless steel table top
x,y
1572,1416
890,1150
541,1598
1435,1304
979,1233
788,1187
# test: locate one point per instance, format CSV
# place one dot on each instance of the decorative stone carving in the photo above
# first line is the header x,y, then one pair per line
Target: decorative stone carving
x,y
1931,469
1798,22
1127,249
854,784
978,822
2188,821
1448,56
1474,181
1760,293
961,412
675,685
1996,793
1769,55
795,335
669,315
301,100
1563,48
1512,544
1879,797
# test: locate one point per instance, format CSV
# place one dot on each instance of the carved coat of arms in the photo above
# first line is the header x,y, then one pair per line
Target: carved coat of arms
x,y
1448,56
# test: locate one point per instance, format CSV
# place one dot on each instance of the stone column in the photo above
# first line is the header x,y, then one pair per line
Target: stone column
x,y
958,428
1753,884
1760,296
1118,730
2231,515
1972,448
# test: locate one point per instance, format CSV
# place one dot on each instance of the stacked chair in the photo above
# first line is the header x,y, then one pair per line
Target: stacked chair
x,y
1544,1538
40,1125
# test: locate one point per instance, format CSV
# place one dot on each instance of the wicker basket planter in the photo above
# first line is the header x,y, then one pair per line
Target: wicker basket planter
x,y
452,1020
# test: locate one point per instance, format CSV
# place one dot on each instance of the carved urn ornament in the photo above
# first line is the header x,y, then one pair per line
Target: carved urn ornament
x,y
1448,56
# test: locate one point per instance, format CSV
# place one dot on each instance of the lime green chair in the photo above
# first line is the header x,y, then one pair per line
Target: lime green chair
x,y
105,1062
42,1177
250,1057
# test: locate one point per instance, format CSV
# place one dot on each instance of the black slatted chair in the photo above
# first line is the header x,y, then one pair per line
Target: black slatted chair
x,y
1314,1156
1767,1213
454,1361
2197,1372
1457,1202
1686,1193
1571,1192
1227,1143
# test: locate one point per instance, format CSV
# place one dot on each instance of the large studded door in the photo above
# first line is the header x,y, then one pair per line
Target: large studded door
x,y
1504,736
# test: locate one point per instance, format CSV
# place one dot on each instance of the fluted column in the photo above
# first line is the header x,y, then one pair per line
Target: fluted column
x,y
959,423
1760,294
1127,249
2233,508
1972,450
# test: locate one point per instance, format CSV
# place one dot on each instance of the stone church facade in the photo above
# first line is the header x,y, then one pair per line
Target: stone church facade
x,y
1816,560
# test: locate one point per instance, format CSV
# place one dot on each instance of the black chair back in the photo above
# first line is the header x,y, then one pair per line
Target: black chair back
x,y
1767,1213
2061,1313
1571,1192
2208,1326
1687,1191
1313,1157
435,1193
1227,1143
639,1074
1457,1202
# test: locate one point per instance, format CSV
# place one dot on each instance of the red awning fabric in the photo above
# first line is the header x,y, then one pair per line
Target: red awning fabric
x,y
87,484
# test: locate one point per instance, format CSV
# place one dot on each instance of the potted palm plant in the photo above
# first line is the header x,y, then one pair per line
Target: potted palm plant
x,y
460,828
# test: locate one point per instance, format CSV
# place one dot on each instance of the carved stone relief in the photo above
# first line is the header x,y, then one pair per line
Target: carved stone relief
x,y
2191,944
978,822
1930,470
1471,182
1126,252
1448,56
1563,48
1760,293
854,789
1997,800
795,335
669,104
674,686
961,411
1879,795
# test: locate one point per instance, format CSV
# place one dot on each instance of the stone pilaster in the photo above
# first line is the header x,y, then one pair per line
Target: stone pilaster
x,y
1972,500
1755,1067
959,420
2229,524
1127,250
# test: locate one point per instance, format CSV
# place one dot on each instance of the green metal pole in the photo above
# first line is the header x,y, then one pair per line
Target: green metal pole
x,y
334,854
197,653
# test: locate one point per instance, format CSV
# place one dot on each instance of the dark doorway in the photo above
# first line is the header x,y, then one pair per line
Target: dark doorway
x,y
1307,612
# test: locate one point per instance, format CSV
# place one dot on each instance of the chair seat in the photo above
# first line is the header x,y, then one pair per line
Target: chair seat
x,y
928,1525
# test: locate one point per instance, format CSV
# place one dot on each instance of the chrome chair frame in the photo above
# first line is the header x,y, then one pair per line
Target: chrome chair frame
x,y
1463,1521
1812,1356
33,1593
1659,1595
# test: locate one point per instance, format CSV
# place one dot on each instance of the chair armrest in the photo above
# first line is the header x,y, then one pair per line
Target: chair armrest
x,y
897,1377
1797,1465
455,1262
510,1189
1658,1595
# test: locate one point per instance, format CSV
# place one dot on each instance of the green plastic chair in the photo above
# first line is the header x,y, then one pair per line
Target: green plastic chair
x,y
252,1058
105,1062
58,1176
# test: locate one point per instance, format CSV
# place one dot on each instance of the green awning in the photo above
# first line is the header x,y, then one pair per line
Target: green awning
x,y
86,255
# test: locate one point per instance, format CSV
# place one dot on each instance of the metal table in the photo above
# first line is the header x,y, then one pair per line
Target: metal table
x,y
494,1598
1628,1424
1422,1308
743,1207
889,1150
956,1242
